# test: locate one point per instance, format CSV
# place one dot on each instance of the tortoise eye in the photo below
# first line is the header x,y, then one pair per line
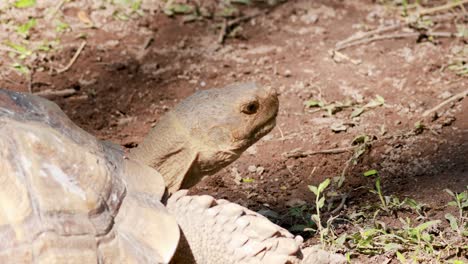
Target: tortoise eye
x,y
250,108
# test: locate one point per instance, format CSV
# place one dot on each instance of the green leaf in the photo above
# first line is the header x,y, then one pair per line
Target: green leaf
x,y
313,103
136,5
400,257
426,237
313,189
321,202
24,3
229,11
315,218
178,9
449,192
323,185
61,26
370,173
21,68
341,239
377,185
426,225
360,140
357,112
378,101
452,220
23,29
22,50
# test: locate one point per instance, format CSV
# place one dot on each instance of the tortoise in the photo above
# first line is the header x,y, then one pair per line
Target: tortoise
x,y
67,197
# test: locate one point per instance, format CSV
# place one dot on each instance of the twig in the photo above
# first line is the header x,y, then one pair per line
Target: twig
x,y
341,205
223,32
7,49
449,5
366,34
443,34
281,132
376,38
227,26
56,93
446,102
57,8
30,80
301,154
77,53
245,18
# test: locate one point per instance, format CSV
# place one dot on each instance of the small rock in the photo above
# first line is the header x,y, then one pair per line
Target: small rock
x,y
125,120
260,170
338,127
294,202
252,150
309,18
252,168
287,73
236,175
445,95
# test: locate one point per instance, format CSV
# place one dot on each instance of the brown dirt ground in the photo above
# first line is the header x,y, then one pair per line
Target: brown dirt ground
x,y
123,88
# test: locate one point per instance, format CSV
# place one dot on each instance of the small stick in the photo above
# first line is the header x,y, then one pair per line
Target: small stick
x,y
30,80
57,8
341,205
443,7
241,19
446,102
367,34
54,93
223,32
7,49
376,38
281,132
77,53
301,154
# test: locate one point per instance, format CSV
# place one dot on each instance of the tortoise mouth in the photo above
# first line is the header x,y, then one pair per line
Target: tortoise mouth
x,y
266,127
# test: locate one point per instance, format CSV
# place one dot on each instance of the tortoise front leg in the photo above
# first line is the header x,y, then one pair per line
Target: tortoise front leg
x,y
218,231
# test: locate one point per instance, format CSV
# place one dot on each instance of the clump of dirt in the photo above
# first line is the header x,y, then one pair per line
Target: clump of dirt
x,y
337,82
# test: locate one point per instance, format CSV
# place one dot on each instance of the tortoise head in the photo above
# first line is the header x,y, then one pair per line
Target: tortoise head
x,y
207,131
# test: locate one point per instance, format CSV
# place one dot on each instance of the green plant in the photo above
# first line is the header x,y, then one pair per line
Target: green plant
x,y
378,188
460,201
319,203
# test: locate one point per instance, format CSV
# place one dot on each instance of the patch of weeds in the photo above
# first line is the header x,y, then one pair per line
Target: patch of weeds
x,y
19,49
178,9
302,218
126,9
378,101
330,108
338,106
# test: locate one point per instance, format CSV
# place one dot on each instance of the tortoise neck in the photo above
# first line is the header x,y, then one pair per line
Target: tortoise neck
x,y
167,149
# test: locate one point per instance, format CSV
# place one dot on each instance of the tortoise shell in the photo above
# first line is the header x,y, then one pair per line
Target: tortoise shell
x,y
68,197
